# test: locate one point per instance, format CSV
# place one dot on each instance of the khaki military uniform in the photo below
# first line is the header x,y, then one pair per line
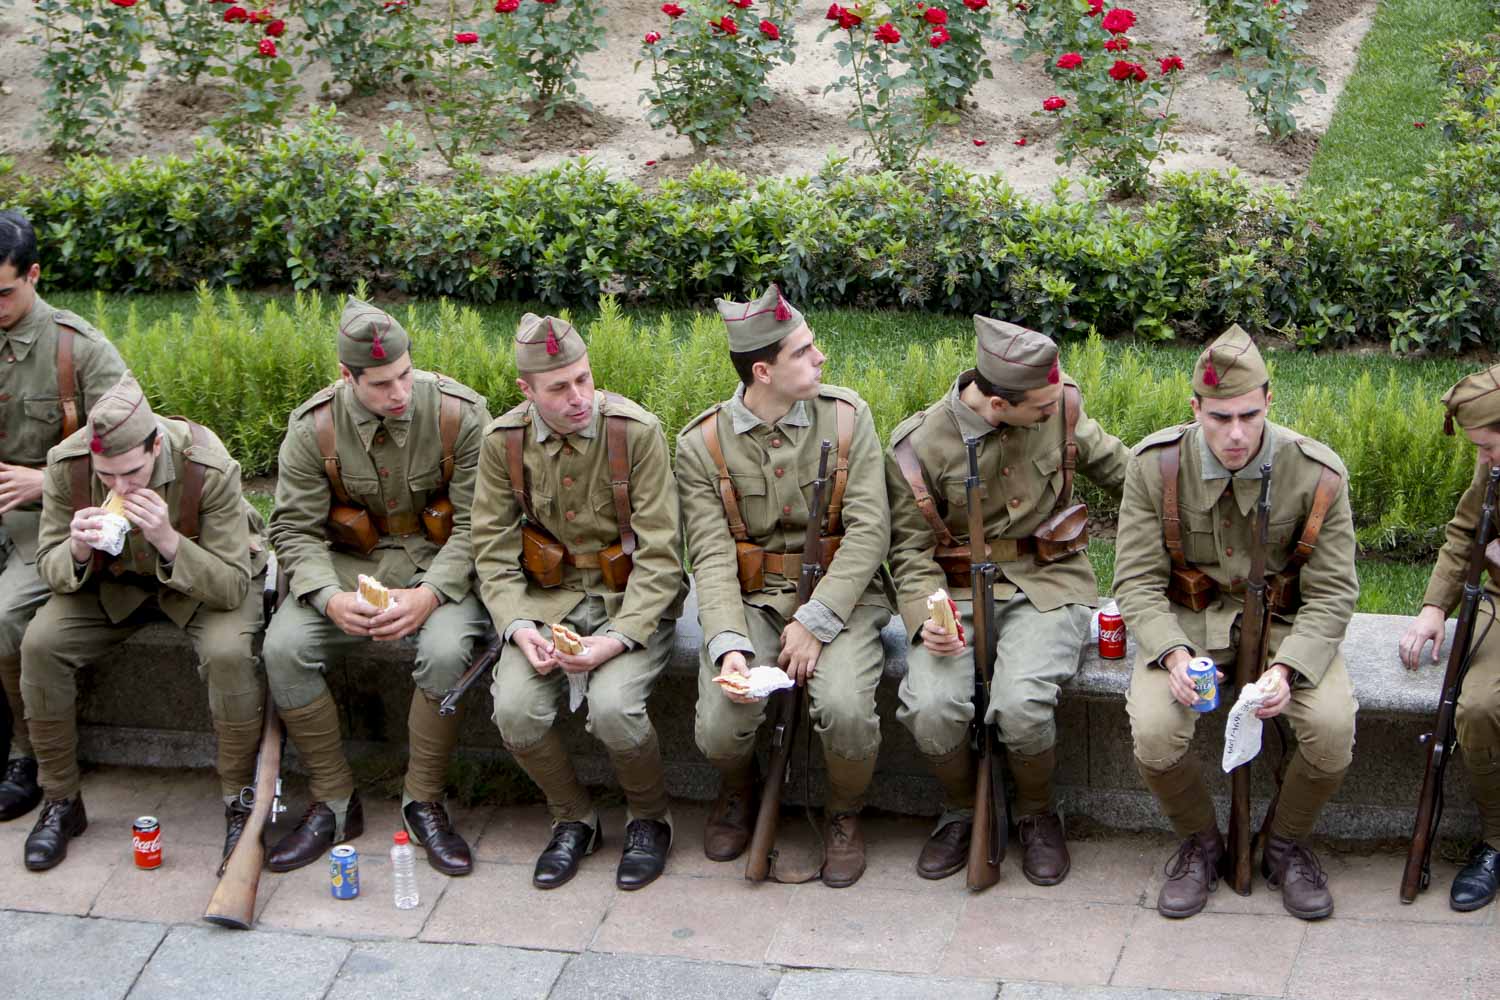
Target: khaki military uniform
x,y
208,591
773,468
1217,510
569,485
31,422
392,468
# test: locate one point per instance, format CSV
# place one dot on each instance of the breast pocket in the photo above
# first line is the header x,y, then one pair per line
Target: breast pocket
x,y
1198,542
1283,536
365,490
606,525
39,431
1045,489
755,508
423,485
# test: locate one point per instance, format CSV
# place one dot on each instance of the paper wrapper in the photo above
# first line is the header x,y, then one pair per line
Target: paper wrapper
x,y
765,681
1242,730
578,690
112,534
945,613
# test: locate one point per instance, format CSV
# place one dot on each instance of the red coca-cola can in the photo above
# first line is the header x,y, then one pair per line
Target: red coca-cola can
x,y
1111,633
146,839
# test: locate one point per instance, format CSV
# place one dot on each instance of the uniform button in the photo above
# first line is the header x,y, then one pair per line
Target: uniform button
x,y
780,472
1015,501
10,358
567,480
380,439
568,450
1005,471
570,515
786,509
776,442
1229,551
390,505
1225,522
384,471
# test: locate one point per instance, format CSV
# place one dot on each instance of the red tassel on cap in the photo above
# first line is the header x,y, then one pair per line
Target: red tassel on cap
x,y
1210,377
783,311
377,351
1055,375
553,347
97,445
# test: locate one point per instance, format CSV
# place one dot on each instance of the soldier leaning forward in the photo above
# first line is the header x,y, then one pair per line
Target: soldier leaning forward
x,y
578,526
1032,432
1181,559
53,369
745,470
376,478
193,557
1473,404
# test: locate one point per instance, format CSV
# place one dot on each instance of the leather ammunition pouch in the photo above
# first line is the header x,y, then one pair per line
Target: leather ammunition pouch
x,y
541,557
754,562
437,520
350,528
1062,534
750,562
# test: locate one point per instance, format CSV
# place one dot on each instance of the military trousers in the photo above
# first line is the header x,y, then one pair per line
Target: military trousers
x,y
71,631
526,702
841,691
1478,723
22,592
1036,651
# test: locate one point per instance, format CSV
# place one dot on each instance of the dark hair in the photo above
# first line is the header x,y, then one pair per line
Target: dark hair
x,y
1015,397
17,241
745,361
358,371
150,440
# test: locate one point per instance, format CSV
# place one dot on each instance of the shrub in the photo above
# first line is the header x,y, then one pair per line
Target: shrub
x,y
366,48
256,53
91,52
544,40
1272,71
187,38
891,103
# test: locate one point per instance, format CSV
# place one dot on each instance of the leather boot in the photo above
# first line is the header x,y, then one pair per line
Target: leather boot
x,y
647,842
428,824
946,851
1044,858
19,791
1192,873
235,818
571,842
60,821
1291,866
318,831
1474,886
843,851
726,834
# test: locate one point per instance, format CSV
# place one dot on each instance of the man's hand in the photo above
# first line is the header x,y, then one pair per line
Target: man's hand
x,y
83,531
19,484
1276,704
597,651
734,663
939,641
539,652
409,610
149,513
799,651
1179,682
1428,626
349,613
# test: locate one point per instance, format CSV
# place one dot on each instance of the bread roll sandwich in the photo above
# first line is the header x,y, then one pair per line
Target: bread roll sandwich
x,y
734,683
566,640
114,504
945,613
374,593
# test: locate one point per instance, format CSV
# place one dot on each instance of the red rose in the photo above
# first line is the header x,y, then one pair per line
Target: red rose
x,y
1095,6
236,13
1123,71
507,6
267,48
976,5
1418,124
1171,64
1118,21
979,142
939,36
672,10
848,20
726,24
652,37
546,1
1069,60
770,31
390,5
834,12
741,4
276,28
123,3
1021,141
1054,104
935,15
888,34
1117,44
261,16
466,37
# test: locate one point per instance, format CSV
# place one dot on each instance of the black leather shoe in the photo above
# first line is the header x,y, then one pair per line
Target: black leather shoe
x,y
647,842
315,835
1475,884
19,792
559,861
428,824
235,818
60,821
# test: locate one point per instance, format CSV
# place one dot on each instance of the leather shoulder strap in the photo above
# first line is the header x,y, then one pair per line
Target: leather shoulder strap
x,y
845,411
710,431
192,485
67,383
617,446
1072,405
78,481
1170,458
322,415
1324,494
906,459
450,419
515,448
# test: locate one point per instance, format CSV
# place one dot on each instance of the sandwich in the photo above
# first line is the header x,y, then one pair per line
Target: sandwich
x,y
945,613
566,640
114,504
734,683
374,593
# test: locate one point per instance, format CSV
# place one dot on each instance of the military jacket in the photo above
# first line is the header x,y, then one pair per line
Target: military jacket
x,y
213,570
31,413
773,469
1446,585
1217,513
389,466
1021,476
569,483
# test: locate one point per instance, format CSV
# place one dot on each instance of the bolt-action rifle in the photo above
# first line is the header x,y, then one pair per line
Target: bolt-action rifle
x,y
991,832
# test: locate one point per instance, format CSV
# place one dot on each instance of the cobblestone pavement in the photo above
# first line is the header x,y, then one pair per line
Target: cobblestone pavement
x,y
98,927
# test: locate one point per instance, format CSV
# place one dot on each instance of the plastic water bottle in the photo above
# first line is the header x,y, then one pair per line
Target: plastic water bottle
x,y
404,872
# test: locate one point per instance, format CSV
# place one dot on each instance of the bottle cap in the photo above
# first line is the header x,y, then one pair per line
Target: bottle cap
x,y
401,837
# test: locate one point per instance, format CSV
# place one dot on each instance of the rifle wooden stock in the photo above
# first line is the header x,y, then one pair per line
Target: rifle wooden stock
x,y
233,901
482,663
787,704
1417,873
1249,662
991,817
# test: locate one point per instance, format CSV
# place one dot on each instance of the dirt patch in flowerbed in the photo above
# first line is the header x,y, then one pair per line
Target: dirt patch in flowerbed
x,y
798,130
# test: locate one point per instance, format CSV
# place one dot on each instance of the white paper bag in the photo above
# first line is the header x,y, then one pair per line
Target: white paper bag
x,y
111,538
578,689
764,681
1242,730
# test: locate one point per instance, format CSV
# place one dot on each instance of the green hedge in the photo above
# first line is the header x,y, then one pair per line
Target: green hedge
x,y
1414,266
241,373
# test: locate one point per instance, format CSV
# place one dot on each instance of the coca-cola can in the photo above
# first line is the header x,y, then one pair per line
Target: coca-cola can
x,y
146,839
1111,633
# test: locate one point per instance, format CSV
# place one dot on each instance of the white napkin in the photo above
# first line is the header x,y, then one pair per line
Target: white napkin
x,y
578,689
764,681
112,535
1242,730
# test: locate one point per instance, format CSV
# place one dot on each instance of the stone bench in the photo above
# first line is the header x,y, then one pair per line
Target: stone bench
x,y
147,707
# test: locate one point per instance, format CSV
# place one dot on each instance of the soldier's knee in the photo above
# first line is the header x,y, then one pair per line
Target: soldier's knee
x,y
1478,711
521,724
617,720
285,645
441,660
1327,738
1159,740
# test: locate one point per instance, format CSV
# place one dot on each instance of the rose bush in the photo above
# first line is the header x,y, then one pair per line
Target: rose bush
x,y
367,46
256,55
543,40
1272,71
91,52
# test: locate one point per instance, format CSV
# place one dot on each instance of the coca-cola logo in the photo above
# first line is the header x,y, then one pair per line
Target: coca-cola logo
x,y
1112,634
151,846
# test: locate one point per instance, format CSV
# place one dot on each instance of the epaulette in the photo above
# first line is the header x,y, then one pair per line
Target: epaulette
x,y
76,323
699,419
513,417
905,427
317,399
841,392
216,458
1322,454
1164,436
72,446
616,405
455,388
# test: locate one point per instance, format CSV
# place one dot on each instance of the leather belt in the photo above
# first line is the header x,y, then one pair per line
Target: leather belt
x,y
397,524
785,564
581,560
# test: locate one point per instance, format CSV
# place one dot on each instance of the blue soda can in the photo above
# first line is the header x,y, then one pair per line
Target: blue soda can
x,y
1205,677
344,872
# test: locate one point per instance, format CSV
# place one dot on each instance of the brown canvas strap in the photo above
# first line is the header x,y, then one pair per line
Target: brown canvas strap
x,y
328,448
515,447
192,483
710,430
1072,405
450,419
1324,494
1170,459
845,414
67,383
617,446
906,460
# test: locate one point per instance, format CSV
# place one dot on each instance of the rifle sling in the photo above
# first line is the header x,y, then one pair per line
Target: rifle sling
x,y
911,470
1170,459
1072,405
450,419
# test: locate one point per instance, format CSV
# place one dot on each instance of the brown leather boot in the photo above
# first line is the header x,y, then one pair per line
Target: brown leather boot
x,y
843,851
1292,867
727,832
1192,873
946,851
1044,858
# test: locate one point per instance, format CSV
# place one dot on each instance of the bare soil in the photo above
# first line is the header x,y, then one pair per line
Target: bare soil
x,y
799,129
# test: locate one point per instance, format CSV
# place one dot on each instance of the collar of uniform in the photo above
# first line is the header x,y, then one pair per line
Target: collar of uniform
x,y
745,420
165,470
369,424
24,333
542,433
970,424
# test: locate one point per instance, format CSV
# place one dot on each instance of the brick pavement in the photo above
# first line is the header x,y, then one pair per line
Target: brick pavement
x,y
97,927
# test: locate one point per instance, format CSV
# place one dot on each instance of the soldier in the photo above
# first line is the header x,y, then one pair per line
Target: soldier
x,y
1207,475
581,529
745,468
1473,404
53,369
190,558
1017,401
376,478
